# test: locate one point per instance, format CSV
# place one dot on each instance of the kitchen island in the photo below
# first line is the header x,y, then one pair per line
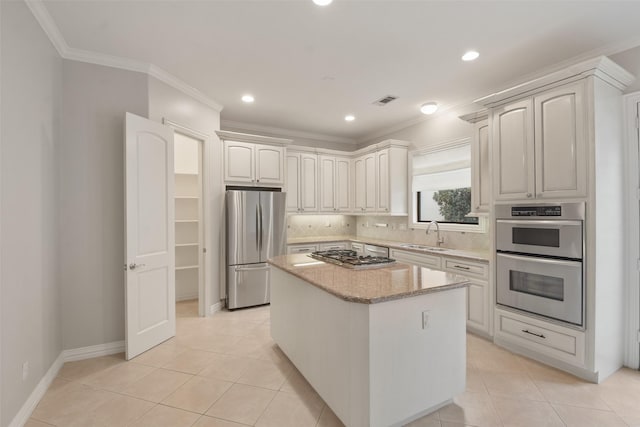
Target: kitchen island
x,y
381,346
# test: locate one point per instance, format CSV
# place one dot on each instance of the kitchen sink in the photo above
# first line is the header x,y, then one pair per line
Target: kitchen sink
x,y
423,247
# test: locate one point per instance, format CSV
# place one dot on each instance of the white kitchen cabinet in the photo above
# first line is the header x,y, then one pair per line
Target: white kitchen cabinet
x,y
478,292
381,180
479,307
302,182
253,160
539,146
365,183
334,183
254,164
480,163
333,246
302,249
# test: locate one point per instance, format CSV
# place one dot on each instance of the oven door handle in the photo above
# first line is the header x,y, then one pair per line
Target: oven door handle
x,y
543,222
541,260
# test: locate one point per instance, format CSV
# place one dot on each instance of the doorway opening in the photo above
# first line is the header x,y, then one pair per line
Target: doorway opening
x,y
189,224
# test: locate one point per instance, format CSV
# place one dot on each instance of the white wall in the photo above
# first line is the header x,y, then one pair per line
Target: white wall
x,y
92,199
31,92
165,102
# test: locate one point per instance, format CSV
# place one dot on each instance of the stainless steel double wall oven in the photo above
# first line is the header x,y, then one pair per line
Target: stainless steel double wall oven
x,y
540,261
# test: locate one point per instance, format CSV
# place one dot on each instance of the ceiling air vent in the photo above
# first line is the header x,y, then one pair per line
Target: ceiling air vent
x,y
384,101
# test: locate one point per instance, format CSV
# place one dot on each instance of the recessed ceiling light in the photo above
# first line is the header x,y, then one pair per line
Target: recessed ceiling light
x,y
428,108
470,56
248,99
322,2
349,118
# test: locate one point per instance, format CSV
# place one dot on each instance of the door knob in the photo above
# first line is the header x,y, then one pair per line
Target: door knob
x,y
133,266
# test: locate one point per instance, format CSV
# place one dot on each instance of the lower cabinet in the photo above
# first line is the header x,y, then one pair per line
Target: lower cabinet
x,y
302,249
333,246
478,295
549,341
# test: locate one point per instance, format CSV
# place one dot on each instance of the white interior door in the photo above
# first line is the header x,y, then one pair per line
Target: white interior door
x,y
149,235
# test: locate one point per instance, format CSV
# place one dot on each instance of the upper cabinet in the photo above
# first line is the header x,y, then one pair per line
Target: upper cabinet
x,y
480,163
381,180
253,160
335,183
539,145
302,182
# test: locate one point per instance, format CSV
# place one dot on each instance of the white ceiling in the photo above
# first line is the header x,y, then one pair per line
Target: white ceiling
x,y
309,66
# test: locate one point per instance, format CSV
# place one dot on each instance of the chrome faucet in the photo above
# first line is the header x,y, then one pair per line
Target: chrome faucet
x,y
439,240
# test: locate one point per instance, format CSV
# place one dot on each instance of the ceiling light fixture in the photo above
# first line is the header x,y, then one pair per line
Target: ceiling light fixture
x,y
322,2
470,55
429,108
349,118
248,99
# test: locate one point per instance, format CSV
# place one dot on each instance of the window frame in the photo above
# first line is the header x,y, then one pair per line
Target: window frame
x,y
481,227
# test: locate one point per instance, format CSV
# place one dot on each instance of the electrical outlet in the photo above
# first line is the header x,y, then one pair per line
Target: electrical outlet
x,y
425,319
25,370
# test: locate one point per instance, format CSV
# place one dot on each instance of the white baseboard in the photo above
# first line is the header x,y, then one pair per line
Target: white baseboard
x,y
70,355
187,297
25,412
215,308
82,353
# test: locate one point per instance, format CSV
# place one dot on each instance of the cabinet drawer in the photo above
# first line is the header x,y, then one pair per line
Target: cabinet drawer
x,y
546,338
423,260
333,246
465,268
301,249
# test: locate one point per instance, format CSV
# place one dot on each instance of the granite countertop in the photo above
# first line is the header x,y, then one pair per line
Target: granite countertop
x,y
471,255
372,285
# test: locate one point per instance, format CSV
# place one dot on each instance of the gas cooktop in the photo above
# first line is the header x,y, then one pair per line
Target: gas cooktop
x,y
351,259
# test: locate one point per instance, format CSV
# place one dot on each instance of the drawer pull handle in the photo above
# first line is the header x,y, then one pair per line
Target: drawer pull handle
x,y
526,331
462,267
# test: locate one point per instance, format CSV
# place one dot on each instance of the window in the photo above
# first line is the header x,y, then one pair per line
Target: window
x,y
441,186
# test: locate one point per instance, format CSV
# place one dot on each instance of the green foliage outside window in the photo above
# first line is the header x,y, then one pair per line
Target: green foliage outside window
x,y
455,204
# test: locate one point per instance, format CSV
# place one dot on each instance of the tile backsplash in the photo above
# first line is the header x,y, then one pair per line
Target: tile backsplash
x,y
320,225
395,228
380,227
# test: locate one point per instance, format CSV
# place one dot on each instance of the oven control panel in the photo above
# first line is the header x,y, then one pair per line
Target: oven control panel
x,y
536,211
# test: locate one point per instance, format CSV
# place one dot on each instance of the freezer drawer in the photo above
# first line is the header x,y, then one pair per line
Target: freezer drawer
x,y
248,285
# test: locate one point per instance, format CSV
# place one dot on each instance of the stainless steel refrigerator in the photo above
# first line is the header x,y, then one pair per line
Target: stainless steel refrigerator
x,y
256,231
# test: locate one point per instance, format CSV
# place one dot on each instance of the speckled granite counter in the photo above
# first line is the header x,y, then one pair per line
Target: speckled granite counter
x,y
482,256
371,285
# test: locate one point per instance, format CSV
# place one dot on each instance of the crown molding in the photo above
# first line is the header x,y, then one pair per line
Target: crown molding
x,y
287,133
245,137
42,15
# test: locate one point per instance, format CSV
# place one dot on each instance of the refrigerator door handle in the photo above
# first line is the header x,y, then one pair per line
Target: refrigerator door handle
x,y
258,232
252,268
261,229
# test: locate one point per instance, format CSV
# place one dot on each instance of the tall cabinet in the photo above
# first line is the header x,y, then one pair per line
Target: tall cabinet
x,y
555,139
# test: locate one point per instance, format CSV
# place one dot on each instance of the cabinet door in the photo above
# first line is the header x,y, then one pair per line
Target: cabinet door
x,y
481,185
513,151
343,184
370,184
360,178
292,184
239,162
327,183
561,156
269,164
478,306
309,182
382,163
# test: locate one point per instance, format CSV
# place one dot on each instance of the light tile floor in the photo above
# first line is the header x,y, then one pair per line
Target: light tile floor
x,y
226,371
